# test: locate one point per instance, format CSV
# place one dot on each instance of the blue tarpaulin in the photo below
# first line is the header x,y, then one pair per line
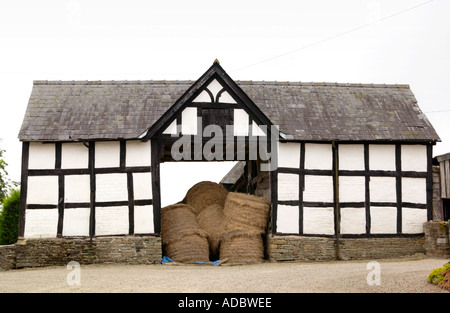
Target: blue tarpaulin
x,y
209,263
168,260
165,260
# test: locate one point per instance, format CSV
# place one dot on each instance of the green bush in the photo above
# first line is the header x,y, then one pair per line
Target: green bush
x,y
436,275
9,218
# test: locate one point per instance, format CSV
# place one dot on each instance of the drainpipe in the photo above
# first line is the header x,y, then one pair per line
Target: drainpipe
x,y
336,199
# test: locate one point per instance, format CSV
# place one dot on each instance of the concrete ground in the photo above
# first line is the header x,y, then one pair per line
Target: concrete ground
x,y
399,276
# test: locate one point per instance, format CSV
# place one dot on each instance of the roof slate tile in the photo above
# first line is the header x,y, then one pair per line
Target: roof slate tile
x,y
81,110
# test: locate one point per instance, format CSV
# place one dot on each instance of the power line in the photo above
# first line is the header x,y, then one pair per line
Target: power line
x,y
333,37
440,111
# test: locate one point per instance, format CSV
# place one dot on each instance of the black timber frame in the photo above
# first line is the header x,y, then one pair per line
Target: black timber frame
x,y
335,172
158,139
214,72
92,171
154,133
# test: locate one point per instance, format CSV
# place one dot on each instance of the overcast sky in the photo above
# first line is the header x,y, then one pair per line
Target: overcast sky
x,y
346,41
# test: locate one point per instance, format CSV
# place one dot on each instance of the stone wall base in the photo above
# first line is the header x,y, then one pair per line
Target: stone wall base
x,y
7,257
437,236
60,251
148,250
299,248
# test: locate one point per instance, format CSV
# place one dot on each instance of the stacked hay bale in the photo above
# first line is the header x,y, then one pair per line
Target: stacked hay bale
x,y
245,221
212,223
241,246
182,238
204,194
246,212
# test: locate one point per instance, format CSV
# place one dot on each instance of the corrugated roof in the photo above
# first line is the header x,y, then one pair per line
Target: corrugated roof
x,y
104,110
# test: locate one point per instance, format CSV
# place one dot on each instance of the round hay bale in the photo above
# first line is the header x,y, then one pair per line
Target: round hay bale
x,y
211,221
203,194
242,247
192,247
176,221
246,212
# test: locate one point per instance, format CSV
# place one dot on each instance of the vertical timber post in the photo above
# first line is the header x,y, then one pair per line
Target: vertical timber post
x,y
91,166
156,146
336,198
23,187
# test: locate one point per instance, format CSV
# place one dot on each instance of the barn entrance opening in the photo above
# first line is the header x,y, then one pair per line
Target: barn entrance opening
x,y
215,121
216,209
178,177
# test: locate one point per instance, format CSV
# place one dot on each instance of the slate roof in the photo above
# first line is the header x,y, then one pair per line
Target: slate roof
x,y
104,110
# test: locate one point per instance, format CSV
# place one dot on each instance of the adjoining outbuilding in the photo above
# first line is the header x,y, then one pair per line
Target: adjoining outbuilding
x,y
347,167
443,179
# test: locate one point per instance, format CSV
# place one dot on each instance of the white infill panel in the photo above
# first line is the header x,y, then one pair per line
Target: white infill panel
x,y
353,220
414,190
318,189
351,157
171,129
289,155
288,186
202,97
318,156
77,188
41,223
138,153
189,121
226,98
352,189
414,158
76,222
318,221
287,219
258,131
111,221
42,190
143,219
382,157
241,122
412,220
215,87
383,189
74,155
111,187
383,220
142,186
107,154
41,156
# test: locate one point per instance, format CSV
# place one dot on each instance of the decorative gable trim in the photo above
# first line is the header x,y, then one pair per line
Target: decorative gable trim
x,y
214,89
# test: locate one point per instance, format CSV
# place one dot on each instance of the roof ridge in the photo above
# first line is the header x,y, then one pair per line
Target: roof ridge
x,y
111,82
320,84
239,82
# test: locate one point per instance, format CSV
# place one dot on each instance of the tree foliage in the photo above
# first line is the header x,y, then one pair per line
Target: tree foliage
x,y
9,218
4,182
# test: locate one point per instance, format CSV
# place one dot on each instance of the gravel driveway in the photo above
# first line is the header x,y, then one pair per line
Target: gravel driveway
x,y
404,276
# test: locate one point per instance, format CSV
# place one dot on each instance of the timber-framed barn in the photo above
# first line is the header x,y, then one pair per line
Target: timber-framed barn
x,y
344,161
